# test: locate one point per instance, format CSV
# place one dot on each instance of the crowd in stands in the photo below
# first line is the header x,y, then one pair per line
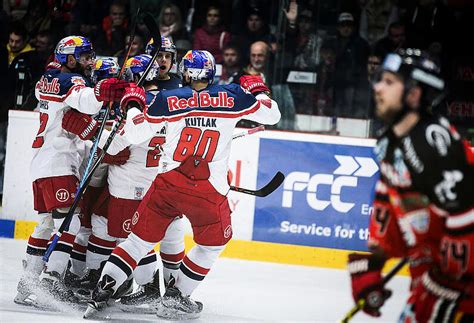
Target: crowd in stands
x,y
342,42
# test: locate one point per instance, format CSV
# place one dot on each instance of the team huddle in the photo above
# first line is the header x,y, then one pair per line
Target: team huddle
x,y
169,159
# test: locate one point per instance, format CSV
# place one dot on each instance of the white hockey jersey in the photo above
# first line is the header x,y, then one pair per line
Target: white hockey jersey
x,y
56,151
200,123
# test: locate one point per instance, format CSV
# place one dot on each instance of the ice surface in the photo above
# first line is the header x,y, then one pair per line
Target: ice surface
x,y
234,291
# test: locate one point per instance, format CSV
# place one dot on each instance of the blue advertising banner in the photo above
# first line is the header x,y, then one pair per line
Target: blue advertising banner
x,y
325,199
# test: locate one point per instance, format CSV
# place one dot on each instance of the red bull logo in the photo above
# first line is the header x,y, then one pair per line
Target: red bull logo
x,y
133,62
203,100
189,56
73,41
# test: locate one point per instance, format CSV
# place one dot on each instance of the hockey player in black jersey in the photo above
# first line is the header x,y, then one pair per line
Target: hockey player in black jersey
x,y
425,186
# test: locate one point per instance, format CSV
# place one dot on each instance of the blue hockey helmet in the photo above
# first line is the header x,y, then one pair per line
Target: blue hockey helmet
x,y
199,65
72,45
136,66
105,68
167,45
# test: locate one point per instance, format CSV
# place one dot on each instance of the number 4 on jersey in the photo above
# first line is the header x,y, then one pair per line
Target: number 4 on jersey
x,y
194,141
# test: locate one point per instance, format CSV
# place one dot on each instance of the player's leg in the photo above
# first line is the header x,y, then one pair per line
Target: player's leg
x,y
37,244
209,214
149,227
79,249
172,248
148,276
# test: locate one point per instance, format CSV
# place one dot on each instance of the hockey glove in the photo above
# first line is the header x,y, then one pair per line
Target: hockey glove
x,y
119,159
367,282
134,97
253,84
111,89
80,124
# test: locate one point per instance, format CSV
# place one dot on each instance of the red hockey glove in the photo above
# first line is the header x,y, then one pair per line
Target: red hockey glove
x,y
80,124
119,159
111,89
134,96
253,84
367,282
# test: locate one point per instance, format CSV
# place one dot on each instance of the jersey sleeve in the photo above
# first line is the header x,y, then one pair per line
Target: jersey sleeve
x,y
260,109
440,166
119,143
267,112
81,97
384,232
137,128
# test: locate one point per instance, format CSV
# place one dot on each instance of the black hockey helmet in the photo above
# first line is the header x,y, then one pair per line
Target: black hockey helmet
x,y
416,68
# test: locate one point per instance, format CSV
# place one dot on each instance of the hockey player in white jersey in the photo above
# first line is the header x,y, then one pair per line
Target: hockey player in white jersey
x,y
200,120
76,122
56,161
126,187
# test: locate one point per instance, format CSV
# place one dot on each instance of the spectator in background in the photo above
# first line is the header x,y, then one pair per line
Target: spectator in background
x,y
256,30
171,22
375,17
114,30
87,16
37,17
308,43
351,58
324,99
138,47
259,54
44,44
231,64
364,93
394,40
17,42
212,36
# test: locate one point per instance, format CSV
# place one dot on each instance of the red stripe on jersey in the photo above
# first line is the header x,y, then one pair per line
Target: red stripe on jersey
x,y
195,268
172,258
102,243
229,115
51,98
122,254
37,243
140,118
79,248
267,103
68,238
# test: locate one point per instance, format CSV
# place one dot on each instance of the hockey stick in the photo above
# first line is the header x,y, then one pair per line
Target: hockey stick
x,y
155,31
271,186
107,111
361,302
86,177
248,132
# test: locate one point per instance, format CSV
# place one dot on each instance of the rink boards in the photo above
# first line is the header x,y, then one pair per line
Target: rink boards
x,y
315,218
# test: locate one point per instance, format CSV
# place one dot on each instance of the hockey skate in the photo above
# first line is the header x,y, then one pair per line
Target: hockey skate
x,y
86,283
145,299
26,287
70,279
100,297
50,281
175,306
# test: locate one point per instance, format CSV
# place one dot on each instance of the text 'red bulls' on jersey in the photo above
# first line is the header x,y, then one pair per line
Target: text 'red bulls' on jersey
x,y
201,123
